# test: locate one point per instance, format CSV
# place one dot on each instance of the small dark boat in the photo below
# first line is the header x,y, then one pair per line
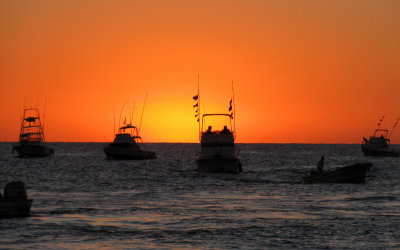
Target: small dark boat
x,y
125,146
349,174
15,202
31,138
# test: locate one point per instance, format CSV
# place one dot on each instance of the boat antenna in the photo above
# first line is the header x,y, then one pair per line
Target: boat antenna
x,y
395,124
234,111
141,117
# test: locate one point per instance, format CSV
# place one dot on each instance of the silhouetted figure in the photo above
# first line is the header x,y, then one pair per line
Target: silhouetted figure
x,y
209,129
225,130
320,165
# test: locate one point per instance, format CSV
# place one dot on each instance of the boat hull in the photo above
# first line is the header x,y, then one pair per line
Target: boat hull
x,y
219,164
34,150
119,153
15,208
350,174
375,152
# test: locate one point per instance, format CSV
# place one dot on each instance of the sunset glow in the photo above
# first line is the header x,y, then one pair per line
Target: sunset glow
x,y
304,71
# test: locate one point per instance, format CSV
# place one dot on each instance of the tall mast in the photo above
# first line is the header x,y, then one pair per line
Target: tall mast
x,y
198,95
234,111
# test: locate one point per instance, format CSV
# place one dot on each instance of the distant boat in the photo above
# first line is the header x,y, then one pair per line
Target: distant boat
x,y
379,144
31,137
125,145
350,174
15,202
217,147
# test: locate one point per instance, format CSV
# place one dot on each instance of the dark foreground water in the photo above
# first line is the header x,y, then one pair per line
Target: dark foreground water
x,y
83,201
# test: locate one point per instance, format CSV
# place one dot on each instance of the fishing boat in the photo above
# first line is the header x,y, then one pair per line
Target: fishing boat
x,y
125,145
31,137
15,202
217,147
379,144
126,142
349,174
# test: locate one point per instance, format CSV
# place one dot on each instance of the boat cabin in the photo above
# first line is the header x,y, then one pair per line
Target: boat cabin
x,y
127,136
221,142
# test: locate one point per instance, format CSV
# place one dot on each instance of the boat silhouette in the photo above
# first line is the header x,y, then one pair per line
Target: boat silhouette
x,y
217,147
125,145
15,202
379,144
31,137
349,174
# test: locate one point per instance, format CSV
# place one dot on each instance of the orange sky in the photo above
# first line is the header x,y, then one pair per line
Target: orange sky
x,y
304,71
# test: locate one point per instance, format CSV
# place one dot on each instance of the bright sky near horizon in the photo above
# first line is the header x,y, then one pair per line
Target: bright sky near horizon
x,y
304,71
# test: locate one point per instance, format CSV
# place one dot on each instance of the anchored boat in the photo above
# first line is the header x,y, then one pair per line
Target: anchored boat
x,y
217,147
125,145
31,137
218,151
379,144
349,174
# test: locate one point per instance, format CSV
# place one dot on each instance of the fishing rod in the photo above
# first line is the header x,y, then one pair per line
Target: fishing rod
x,y
395,124
141,117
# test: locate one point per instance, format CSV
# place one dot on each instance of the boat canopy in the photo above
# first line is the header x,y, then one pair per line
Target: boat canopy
x,y
383,132
216,115
127,126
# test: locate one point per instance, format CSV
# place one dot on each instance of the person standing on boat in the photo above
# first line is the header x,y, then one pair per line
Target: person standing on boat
x,y
320,165
209,129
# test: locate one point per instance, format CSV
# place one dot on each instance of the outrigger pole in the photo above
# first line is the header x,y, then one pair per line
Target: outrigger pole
x,y
120,114
379,124
395,124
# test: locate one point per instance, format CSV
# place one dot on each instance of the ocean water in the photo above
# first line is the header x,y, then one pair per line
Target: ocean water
x,y
83,201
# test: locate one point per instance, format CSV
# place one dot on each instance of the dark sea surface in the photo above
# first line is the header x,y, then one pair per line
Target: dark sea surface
x,y
83,201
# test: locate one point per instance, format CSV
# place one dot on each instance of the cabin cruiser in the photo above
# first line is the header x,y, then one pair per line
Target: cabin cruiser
x,y
31,138
125,145
15,202
217,150
378,145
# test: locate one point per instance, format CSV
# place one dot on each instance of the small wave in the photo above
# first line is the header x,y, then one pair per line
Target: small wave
x,y
72,211
373,198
